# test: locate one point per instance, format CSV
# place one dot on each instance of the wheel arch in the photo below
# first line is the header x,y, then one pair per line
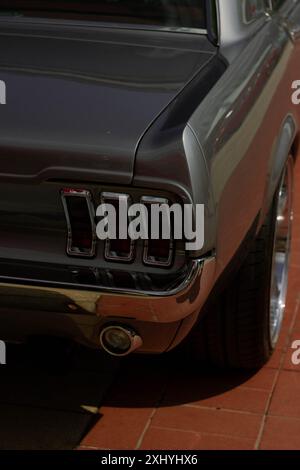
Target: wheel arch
x,y
287,143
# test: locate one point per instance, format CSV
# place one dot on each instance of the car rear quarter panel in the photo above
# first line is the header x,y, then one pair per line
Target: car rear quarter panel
x,y
239,126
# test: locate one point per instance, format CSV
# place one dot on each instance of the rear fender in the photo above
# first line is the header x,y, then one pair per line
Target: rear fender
x,y
278,158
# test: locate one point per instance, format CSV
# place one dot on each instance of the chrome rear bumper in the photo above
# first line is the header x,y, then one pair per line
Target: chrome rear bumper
x,y
97,307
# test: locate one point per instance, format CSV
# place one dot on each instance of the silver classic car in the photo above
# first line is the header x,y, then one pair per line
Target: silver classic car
x,y
186,102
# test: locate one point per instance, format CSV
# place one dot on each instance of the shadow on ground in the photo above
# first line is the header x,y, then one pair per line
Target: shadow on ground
x,y
164,381
50,392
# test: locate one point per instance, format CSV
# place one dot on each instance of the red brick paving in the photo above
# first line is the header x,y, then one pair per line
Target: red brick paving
x,y
155,404
173,440
281,433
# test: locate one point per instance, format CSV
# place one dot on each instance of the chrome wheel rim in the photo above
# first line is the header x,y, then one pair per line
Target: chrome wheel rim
x,y
281,253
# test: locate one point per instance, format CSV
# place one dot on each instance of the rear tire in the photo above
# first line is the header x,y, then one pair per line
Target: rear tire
x,y
237,330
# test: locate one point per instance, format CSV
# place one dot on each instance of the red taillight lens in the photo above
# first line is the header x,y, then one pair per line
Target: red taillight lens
x,y
118,249
80,217
157,252
159,249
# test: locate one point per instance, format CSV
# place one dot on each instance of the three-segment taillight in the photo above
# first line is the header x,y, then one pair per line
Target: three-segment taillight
x,y
80,216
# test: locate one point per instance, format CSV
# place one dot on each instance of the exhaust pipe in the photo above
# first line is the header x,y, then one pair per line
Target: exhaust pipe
x,y
119,340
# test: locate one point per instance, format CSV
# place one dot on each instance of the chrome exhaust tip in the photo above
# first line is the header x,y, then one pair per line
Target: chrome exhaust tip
x,y
119,340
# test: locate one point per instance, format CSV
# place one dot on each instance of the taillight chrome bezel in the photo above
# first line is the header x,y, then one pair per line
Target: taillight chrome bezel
x,y
150,260
85,194
159,256
108,254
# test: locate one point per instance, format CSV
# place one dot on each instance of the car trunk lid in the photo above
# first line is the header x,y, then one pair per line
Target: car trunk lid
x,y
80,98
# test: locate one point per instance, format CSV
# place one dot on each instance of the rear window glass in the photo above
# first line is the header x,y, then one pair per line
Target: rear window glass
x,y
169,13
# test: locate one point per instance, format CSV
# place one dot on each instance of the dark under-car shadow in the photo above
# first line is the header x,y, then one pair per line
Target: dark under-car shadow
x,y
167,380
50,393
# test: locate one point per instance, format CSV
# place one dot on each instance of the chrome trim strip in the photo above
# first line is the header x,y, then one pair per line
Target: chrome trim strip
x,y
97,24
65,193
194,270
154,200
107,252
